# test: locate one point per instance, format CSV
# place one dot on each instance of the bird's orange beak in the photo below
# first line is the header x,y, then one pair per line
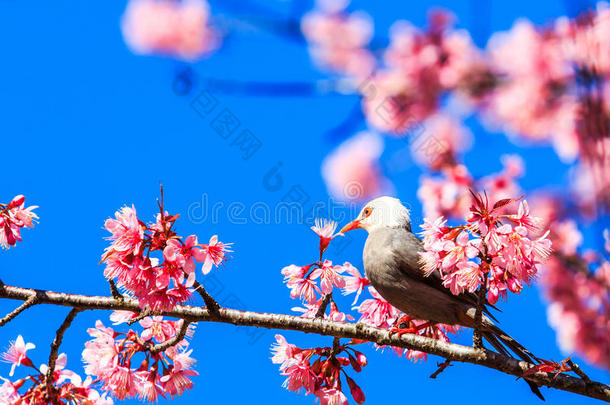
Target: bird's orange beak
x,y
355,224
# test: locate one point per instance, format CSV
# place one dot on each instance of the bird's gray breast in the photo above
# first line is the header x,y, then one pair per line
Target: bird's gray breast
x,y
391,263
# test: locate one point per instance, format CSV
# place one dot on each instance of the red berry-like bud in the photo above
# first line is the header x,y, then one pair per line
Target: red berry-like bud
x,y
17,201
355,364
361,359
343,361
356,391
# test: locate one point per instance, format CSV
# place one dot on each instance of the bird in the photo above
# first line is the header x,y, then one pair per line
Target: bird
x,y
391,259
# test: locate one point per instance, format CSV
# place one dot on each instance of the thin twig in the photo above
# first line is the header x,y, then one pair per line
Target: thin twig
x,y
322,309
59,335
138,317
382,337
10,316
173,341
477,338
578,371
441,368
114,290
336,347
210,303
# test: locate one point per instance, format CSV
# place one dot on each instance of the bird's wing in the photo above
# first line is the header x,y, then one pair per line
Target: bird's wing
x,y
405,248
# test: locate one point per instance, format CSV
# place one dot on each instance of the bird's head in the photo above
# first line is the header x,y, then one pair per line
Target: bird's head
x,y
382,212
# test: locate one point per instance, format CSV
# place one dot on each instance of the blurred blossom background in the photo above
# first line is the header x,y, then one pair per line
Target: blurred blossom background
x,y
328,104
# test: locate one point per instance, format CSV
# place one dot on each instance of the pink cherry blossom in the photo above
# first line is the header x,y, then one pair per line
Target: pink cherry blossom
x,y
507,254
377,311
352,172
215,252
13,217
294,271
127,232
504,184
301,284
119,317
283,351
8,392
113,359
300,376
68,385
17,354
446,195
459,252
331,396
442,141
162,330
336,315
159,282
576,285
524,219
303,288
337,40
319,370
325,229
394,102
354,283
566,237
309,310
177,28
330,276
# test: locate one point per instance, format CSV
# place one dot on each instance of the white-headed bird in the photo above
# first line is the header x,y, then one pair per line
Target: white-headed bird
x,y
392,264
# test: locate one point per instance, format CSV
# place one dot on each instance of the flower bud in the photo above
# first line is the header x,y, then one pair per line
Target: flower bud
x,y
361,359
356,391
17,201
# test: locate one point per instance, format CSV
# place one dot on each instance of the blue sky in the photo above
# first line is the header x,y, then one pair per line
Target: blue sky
x,y
87,127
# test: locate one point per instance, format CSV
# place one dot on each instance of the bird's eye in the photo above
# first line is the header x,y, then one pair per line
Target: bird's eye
x,y
367,211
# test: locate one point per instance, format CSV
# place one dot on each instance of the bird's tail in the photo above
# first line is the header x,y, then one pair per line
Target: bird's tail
x,y
500,340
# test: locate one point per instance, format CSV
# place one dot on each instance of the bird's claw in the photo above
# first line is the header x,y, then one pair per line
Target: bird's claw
x,y
402,331
404,325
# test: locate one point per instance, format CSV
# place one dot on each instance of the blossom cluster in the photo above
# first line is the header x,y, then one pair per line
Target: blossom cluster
x,y
321,377
576,282
493,248
127,364
68,386
560,71
313,282
13,217
177,28
318,370
448,194
538,67
159,284
352,171
338,40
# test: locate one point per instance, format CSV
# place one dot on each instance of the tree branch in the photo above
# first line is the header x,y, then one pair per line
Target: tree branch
x,y
449,351
477,338
114,290
577,370
210,303
10,316
441,368
139,317
322,309
54,349
173,341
